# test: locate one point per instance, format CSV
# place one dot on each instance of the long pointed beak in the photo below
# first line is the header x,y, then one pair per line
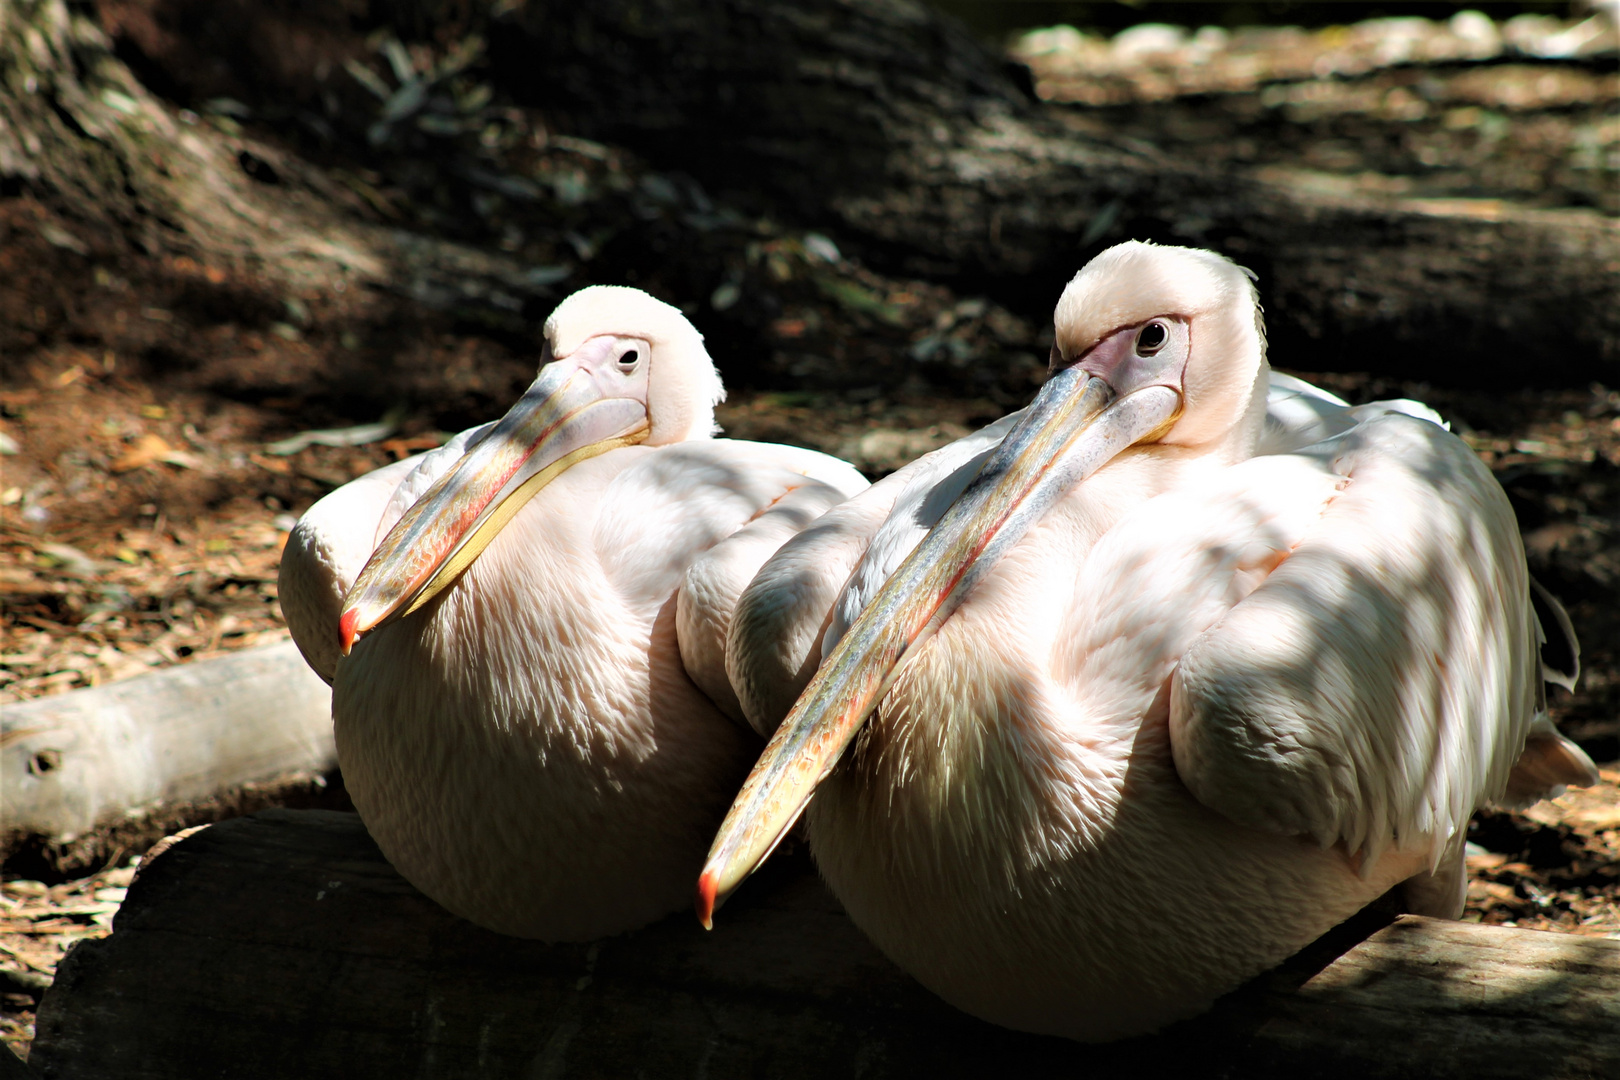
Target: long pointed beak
x,y
1075,425
562,418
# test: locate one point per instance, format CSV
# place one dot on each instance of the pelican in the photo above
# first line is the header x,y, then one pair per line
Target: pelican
x,y
529,691
1130,696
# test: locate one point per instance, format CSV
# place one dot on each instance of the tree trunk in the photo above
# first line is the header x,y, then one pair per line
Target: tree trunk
x,y
284,945
879,121
124,168
883,121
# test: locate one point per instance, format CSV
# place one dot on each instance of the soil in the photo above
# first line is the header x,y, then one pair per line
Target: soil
x,y
147,400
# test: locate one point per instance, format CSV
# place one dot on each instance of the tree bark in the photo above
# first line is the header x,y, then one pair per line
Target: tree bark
x,y
77,126
881,120
284,945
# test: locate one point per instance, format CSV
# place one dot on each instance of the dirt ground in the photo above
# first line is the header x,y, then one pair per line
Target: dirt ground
x,y
163,423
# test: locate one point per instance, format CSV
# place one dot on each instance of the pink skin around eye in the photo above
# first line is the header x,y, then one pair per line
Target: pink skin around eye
x,y
1116,361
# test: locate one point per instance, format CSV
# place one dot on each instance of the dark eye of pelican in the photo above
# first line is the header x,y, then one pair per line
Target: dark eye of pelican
x,y
1151,338
628,360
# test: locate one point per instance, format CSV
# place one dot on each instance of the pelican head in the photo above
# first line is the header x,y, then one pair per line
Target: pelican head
x,y
1106,318
1156,347
618,368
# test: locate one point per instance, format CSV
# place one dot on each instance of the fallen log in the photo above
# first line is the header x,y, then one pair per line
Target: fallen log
x,y
282,944
81,760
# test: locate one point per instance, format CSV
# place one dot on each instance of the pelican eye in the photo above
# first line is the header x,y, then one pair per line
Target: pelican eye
x,y
1151,338
628,360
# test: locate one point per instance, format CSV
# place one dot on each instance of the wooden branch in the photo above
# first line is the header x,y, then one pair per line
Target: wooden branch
x,y
283,945
77,760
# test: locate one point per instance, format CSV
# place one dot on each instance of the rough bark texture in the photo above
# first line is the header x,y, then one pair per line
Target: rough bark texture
x,y
283,945
76,123
882,120
878,121
78,127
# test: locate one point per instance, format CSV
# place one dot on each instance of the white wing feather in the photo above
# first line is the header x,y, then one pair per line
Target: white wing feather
x,y
1379,685
788,488
774,643
324,552
804,598
1299,414
927,487
335,537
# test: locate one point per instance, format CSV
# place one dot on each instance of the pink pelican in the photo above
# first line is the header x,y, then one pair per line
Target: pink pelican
x,y
535,722
1169,690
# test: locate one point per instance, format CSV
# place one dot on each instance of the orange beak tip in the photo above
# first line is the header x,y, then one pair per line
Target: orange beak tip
x,y
346,629
706,888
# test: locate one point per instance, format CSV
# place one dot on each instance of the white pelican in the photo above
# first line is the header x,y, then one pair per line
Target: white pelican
x,y
1146,711
546,746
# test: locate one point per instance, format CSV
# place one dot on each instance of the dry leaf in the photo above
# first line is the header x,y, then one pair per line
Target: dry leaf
x,y
272,464
147,449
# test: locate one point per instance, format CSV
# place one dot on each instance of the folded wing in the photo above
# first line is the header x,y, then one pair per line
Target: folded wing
x,y
1382,682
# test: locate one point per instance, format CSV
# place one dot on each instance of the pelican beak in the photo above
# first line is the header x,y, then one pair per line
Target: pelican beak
x,y
579,406
1112,397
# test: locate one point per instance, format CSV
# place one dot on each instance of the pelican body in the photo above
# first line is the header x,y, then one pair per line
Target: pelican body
x,y
525,629
1130,696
